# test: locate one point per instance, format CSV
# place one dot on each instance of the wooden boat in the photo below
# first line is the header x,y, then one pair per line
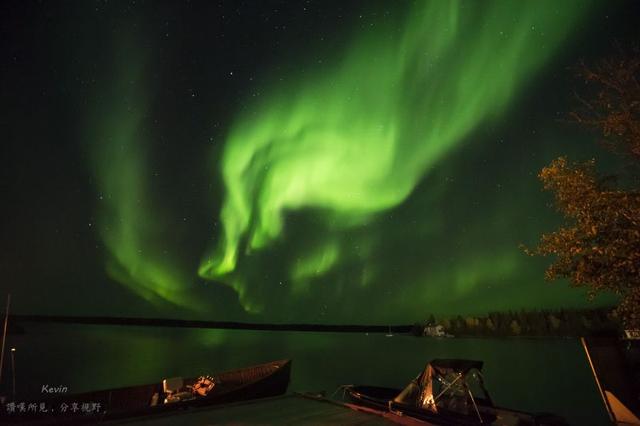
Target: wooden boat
x,y
447,392
259,381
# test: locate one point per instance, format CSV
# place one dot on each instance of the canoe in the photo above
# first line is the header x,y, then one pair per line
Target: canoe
x,y
259,381
447,392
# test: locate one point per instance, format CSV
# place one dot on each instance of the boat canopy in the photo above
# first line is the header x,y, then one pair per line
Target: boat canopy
x,y
453,385
463,365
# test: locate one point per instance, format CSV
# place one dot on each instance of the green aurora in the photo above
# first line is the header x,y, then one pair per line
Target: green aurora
x,y
369,163
330,162
131,223
354,140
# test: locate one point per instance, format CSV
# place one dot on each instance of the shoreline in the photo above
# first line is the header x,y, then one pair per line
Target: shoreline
x,y
228,325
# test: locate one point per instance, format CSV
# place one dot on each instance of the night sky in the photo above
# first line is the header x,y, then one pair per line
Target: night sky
x,y
290,161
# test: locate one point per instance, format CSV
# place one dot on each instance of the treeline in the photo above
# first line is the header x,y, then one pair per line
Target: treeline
x,y
563,322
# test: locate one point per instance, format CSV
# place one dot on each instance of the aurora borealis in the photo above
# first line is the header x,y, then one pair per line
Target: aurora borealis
x,y
356,140
289,161
129,223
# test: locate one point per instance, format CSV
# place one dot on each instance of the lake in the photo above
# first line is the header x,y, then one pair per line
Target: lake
x,y
549,375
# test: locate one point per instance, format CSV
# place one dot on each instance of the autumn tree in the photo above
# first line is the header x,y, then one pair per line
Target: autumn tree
x,y
611,102
598,248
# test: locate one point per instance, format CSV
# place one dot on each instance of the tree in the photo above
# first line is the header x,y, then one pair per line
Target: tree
x,y
490,326
446,324
431,320
599,246
612,102
515,327
554,323
461,325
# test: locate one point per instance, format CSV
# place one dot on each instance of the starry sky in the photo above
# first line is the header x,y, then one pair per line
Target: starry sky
x,y
290,161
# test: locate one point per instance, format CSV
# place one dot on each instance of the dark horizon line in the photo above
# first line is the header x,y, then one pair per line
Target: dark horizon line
x,y
230,325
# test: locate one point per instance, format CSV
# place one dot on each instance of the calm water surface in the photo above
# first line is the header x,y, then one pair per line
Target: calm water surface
x,y
533,375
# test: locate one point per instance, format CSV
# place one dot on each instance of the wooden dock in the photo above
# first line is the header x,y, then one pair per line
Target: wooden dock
x,y
291,409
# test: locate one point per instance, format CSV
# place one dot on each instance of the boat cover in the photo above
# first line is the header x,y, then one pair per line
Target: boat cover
x,y
443,384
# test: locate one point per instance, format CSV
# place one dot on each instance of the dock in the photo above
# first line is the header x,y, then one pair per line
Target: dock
x,y
290,409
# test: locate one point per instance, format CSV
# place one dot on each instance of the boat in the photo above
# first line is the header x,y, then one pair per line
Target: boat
x,y
259,381
446,392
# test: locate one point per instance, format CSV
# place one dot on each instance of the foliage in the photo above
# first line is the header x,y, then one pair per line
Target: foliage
x,y
536,323
599,246
601,250
612,102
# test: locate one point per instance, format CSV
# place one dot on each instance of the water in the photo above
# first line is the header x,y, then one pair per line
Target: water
x,y
537,375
